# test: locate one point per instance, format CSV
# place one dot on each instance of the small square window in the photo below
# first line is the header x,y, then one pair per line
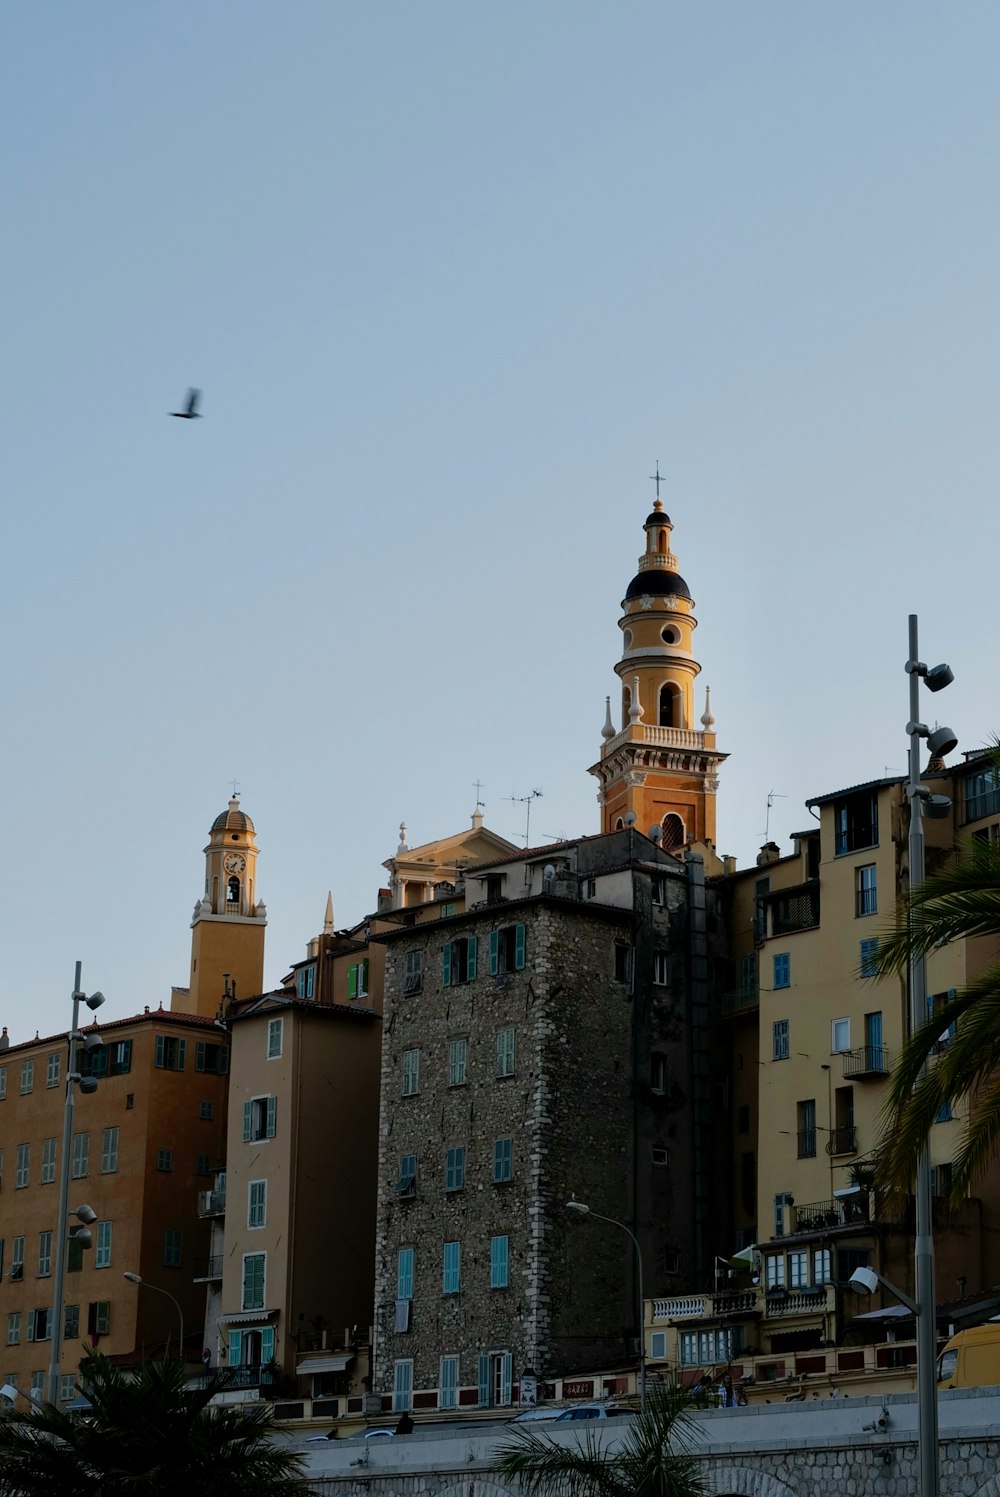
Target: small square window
x,y
165,1160
206,1111
840,1036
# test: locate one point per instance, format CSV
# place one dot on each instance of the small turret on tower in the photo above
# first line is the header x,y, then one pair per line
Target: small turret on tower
x,y
659,765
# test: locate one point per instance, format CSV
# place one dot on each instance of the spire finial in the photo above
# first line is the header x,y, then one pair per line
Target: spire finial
x,y
328,917
608,731
657,479
635,706
402,839
707,720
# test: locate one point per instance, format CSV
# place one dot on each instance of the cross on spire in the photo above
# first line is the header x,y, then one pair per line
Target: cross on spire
x,y
235,789
656,478
480,787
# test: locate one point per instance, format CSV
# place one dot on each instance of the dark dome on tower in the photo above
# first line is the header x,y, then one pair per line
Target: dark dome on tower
x,y
660,582
658,517
233,819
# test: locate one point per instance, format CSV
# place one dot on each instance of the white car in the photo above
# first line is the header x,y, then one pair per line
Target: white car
x,y
592,1411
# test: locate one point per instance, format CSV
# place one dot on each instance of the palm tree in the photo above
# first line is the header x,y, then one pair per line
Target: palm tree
x,y
652,1458
145,1433
960,901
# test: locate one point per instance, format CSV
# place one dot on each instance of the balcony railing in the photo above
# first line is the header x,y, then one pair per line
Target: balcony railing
x,y
211,1203
707,1306
740,1003
249,1377
870,1060
843,1139
208,1269
679,738
986,803
782,1302
829,1216
793,909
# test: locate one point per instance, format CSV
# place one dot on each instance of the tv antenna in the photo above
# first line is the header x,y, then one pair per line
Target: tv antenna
x,y
479,788
525,800
772,796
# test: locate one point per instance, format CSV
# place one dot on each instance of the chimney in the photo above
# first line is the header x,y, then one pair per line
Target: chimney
x,y
769,853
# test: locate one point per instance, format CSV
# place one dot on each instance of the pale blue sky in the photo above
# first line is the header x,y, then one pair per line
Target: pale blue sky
x,y
452,277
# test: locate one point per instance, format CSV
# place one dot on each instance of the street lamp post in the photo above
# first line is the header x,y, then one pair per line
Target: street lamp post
x,y
137,1278
584,1210
81,1234
922,802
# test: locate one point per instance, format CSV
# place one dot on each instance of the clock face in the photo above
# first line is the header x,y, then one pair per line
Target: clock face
x,y
235,862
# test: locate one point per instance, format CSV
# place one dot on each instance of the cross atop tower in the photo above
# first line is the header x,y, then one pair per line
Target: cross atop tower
x,y
656,478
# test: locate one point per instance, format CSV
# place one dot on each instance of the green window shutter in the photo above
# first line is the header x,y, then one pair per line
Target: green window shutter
x,y
247,1121
266,1344
30,1327
446,964
506,1378
494,952
272,1116
235,1348
484,1382
472,958
352,980
199,1056
159,1051
181,1052
518,947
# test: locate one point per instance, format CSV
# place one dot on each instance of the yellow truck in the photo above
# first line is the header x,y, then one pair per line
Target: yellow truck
x,y
972,1358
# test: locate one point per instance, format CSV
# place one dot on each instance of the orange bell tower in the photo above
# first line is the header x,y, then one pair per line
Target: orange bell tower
x,y
659,771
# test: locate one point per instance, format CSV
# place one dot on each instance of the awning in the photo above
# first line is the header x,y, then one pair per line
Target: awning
x,y
334,1362
246,1317
891,1312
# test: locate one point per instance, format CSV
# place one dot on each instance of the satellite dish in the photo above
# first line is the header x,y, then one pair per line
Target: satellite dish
x,y
656,834
630,818
549,871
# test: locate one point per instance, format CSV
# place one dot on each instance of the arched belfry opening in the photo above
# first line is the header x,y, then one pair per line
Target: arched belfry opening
x,y
662,543
233,891
671,712
673,833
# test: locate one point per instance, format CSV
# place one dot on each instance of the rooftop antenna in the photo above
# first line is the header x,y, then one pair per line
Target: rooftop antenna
x,y
235,789
479,787
525,800
772,796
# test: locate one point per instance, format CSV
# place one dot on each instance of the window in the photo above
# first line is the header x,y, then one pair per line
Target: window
x,y
865,890
855,822
165,1160
406,1184
23,1166
275,1028
503,1160
660,1154
658,888
451,1268
448,1383
494,887
44,1254
413,976
782,969
93,1062
779,1040
17,1258
848,1259
119,1058
253,1281
982,794
170,1053
102,1258
260,1118
658,1346
203,1165
798,1269
80,1155
99,1317
748,975
807,1129
761,889
505,1052
936,1002
793,909
173,1245
71,1323
623,962
404,1273
944,1113
781,1200
446,911
941,1178
774,1270
213,1059
14,1328
402,1386
840,1035
39,1325
658,1074
507,949
67,1380
821,1265
499,1262
27,1076
411,1073
48,1161
869,952
305,982
460,961
257,1203
454,1178
52,1070
357,979
109,1151
689,1348
3,1082
206,1111
458,1055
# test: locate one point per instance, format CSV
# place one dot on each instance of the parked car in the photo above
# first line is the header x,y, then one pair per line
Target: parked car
x,y
972,1358
544,1411
593,1411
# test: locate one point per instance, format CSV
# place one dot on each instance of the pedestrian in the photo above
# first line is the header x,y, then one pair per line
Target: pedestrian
x,y
405,1425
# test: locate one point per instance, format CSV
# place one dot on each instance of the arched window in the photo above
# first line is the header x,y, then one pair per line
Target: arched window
x,y
673,833
233,891
662,544
671,714
626,705
619,825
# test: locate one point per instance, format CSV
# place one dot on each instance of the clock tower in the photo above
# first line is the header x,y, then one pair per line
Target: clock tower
x,y
658,771
227,930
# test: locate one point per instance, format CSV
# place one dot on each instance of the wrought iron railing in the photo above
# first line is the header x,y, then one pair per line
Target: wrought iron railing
x,y
869,1060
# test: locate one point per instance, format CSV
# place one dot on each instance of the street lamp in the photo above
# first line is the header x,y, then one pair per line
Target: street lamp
x,y
137,1278
922,802
81,1235
584,1210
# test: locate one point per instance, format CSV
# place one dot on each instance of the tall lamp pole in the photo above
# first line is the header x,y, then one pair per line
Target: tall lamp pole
x,y
86,1215
584,1210
922,802
137,1278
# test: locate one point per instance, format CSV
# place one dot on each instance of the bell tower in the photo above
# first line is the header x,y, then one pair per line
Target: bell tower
x,y
227,929
659,770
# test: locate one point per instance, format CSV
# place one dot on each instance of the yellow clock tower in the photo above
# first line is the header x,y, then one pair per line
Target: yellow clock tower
x,y
227,930
659,770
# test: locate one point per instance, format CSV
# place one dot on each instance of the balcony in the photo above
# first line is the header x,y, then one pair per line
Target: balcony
x,y
707,1306
815,1299
832,1216
209,1270
675,738
869,1063
843,1139
211,1203
740,1003
790,910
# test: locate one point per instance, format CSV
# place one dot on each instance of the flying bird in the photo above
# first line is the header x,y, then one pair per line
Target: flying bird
x,y
191,413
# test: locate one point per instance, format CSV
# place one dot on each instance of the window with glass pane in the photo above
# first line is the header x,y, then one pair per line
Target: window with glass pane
x,y
305,982
23,1166
27,1076
109,1151
411,1073
14,1328
454,1178
821,1265
406,1182
253,1281
71,1323
102,1257
505,1052
865,890
3,1082
840,1035
869,952
52,1070
499,1258
658,1345
807,1129
458,1055
449,1383
67,1382
404,1273
48,1161
165,1160
206,1111
503,1160
798,1269
80,1155
451,1268
689,1348
257,1203
781,1200
774,1267
44,1254
173,1243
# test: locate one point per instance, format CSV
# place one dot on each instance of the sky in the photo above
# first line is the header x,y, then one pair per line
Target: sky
x,y
453,278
